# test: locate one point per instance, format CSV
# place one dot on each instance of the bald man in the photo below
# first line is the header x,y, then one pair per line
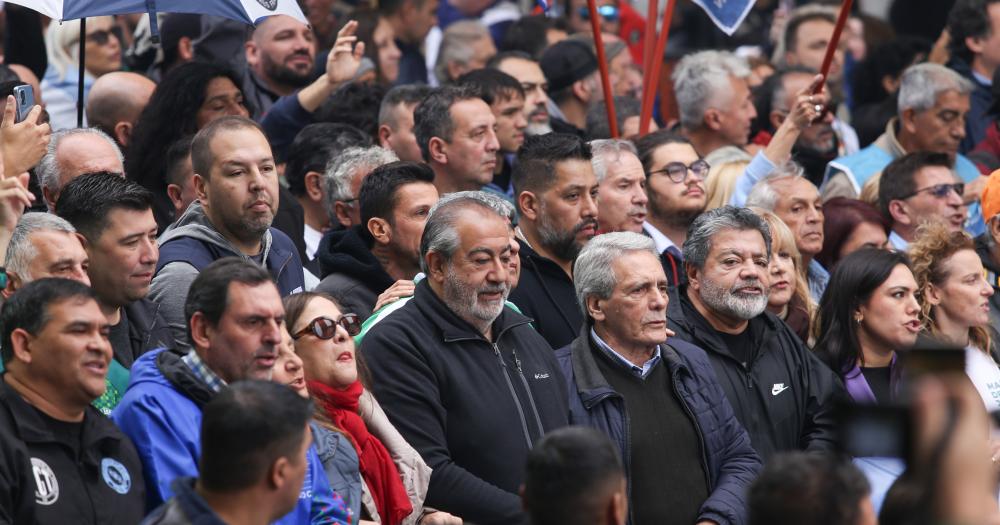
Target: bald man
x,y
115,102
279,55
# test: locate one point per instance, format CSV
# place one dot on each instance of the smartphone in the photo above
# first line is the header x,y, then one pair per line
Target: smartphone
x,y
866,431
24,98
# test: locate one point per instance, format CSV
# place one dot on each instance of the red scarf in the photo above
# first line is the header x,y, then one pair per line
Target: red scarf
x,y
376,464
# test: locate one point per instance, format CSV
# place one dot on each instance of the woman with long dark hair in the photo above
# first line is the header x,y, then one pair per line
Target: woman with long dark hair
x,y
380,45
186,100
868,312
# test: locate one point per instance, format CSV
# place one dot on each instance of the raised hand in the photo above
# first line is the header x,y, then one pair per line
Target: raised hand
x,y
23,143
345,55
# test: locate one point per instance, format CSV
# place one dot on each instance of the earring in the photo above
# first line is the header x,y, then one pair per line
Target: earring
x,y
858,318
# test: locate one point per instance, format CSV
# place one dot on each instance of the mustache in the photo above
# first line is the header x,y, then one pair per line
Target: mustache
x,y
584,224
494,288
747,283
637,210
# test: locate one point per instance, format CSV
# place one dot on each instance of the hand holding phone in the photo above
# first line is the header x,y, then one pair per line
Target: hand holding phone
x,y
24,98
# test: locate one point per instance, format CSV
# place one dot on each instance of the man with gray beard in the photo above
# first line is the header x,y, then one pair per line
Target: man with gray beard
x,y
779,390
466,381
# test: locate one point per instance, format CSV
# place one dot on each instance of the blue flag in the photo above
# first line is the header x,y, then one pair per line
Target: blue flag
x,y
726,14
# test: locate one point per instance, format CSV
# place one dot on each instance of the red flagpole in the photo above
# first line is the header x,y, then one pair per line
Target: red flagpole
x,y
648,38
831,48
652,80
602,64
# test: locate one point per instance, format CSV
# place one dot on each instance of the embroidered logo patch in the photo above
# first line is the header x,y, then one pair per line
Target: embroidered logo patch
x,y
116,475
270,5
46,485
778,388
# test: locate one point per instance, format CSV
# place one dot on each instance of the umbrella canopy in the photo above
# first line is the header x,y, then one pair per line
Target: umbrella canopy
x,y
249,11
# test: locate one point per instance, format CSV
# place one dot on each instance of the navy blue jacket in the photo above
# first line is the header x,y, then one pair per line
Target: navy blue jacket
x,y
730,463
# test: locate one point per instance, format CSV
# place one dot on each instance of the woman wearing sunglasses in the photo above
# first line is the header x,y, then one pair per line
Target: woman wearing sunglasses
x,y
394,476
103,54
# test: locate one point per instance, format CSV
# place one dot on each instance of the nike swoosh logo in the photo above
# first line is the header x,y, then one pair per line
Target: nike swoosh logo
x,y
778,389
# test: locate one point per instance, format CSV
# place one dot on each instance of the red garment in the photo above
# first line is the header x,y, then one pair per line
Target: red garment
x,y
986,154
631,29
376,464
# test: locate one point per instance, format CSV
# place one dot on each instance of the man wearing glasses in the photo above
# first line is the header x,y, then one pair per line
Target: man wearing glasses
x,y
675,184
918,188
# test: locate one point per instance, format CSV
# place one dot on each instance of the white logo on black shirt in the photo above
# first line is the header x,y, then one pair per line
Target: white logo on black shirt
x,y
116,475
46,486
778,388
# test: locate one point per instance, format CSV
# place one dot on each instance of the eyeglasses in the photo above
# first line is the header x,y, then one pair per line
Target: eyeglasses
x,y
940,190
607,12
101,37
325,328
677,171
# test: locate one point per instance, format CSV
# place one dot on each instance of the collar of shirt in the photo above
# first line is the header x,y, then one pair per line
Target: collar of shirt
x,y
640,372
897,242
661,241
817,278
200,369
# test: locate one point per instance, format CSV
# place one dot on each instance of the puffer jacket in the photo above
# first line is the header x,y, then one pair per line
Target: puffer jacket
x,y
729,461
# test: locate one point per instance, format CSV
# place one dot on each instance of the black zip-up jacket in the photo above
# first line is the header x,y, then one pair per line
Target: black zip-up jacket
x,y
147,330
783,397
546,294
472,408
42,481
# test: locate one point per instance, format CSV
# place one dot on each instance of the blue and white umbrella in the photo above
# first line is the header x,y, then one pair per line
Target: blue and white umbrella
x,y
248,11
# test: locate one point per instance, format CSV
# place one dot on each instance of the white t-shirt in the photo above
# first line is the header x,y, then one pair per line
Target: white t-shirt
x,y
312,237
985,375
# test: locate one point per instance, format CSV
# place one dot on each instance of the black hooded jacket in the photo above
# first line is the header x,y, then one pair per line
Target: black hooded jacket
x,y
351,273
783,396
546,294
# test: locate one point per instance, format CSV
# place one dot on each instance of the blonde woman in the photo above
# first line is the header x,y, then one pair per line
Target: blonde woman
x,y
721,181
954,302
102,54
789,298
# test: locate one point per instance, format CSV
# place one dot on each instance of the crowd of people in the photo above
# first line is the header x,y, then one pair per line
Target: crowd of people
x,y
393,266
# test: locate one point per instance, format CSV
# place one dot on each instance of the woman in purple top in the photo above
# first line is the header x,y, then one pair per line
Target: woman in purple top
x,y
868,313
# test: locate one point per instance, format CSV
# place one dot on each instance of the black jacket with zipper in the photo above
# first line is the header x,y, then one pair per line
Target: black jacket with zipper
x,y
547,295
783,397
471,407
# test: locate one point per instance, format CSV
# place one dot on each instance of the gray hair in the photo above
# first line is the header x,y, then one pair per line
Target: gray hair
x,y
607,151
593,273
501,206
20,250
762,194
47,169
706,225
340,171
701,80
440,234
920,86
456,46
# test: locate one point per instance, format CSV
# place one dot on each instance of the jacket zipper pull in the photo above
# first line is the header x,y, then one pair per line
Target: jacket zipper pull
x,y
496,350
517,362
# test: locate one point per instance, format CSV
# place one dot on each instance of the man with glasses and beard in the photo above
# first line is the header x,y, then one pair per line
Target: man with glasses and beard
x,y
466,381
279,56
555,191
675,184
778,389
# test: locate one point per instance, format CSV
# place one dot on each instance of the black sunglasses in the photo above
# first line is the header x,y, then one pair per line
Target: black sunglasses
x,y
325,328
101,37
940,190
677,171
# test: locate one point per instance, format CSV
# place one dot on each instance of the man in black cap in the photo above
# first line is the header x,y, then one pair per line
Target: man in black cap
x,y
574,84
